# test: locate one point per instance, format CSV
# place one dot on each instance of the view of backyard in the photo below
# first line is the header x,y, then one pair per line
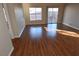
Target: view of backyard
x,y
36,14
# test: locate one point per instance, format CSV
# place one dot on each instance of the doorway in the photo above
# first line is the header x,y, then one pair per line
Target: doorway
x,y
52,15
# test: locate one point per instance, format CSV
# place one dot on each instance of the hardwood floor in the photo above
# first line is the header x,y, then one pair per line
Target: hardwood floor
x,y
36,41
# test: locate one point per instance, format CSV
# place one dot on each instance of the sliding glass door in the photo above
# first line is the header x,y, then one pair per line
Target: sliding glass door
x,y
52,15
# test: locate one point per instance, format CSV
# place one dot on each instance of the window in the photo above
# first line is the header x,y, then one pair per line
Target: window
x,y
35,14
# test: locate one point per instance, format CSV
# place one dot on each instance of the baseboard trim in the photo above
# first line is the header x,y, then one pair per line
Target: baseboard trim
x,y
71,26
18,36
21,32
11,51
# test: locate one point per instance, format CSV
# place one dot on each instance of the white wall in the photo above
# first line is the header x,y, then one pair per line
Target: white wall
x,y
19,18
71,15
13,21
16,19
5,40
7,17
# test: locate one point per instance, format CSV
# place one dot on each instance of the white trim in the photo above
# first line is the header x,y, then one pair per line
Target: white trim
x,y
71,26
21,32
11,51
18,36
15,37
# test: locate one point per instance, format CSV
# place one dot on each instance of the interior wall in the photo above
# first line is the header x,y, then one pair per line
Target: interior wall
x,y
19,17
44,7
13,21
8,19
5,40
71,15
16,18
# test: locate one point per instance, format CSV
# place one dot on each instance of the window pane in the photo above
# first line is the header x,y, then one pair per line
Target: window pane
x,y
50,9
38,13
50,12
52,15
32,10
32,13
55,9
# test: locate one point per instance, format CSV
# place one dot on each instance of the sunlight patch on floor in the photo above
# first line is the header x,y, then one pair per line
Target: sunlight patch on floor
x,y
64,32
35,32
68,33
